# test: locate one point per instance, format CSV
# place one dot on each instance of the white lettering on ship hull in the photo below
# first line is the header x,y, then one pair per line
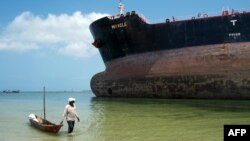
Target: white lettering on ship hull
x,y
234,35
234,22
120,25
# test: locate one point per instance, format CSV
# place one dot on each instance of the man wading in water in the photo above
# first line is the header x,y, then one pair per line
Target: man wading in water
x,y
70,114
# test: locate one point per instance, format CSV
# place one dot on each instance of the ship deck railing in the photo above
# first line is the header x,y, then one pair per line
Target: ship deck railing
x,y
202,15
142,17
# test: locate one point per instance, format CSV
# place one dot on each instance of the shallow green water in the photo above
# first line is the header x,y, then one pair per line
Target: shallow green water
x,y
104,119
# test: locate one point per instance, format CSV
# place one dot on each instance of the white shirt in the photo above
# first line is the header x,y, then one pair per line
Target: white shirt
x,y
70,113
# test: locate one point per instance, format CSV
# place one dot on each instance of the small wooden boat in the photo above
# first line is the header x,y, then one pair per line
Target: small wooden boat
x,y
42,123
45,125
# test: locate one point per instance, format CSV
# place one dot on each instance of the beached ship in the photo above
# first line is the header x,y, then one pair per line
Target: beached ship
x,y
201,57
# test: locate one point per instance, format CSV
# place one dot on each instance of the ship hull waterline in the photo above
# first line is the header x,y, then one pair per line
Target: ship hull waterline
x,y
220,71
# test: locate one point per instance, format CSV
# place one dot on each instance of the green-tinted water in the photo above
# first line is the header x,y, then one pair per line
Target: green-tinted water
x,y
105,119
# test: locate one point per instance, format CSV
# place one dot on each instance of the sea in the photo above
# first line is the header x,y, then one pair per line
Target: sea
x,y
120,119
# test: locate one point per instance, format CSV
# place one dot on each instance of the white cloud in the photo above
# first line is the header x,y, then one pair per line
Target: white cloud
x,y
67,34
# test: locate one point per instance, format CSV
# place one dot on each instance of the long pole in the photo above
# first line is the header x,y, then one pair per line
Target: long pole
x,y
44,110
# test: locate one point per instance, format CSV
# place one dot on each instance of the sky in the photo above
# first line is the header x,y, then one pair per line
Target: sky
x,y
48,42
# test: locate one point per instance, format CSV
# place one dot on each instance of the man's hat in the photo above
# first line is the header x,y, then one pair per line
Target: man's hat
x,y
71,99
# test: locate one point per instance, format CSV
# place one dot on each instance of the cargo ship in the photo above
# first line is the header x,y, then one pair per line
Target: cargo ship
x,y
205,57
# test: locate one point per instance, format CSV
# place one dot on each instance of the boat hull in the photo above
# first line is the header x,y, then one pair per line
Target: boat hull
x,y
220,71
45,125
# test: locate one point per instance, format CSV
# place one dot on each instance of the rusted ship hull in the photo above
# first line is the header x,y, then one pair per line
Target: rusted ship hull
x,y
203,57
220,71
